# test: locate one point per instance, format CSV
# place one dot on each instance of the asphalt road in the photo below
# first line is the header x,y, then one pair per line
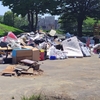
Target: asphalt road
x,y
69,79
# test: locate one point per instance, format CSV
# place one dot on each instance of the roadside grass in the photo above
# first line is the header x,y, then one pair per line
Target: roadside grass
x,y
44,97
33,97
4,29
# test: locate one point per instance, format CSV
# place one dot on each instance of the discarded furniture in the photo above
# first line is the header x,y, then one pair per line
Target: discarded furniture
x,y
26,66
32,64
23,69
35,52
19,54
72,48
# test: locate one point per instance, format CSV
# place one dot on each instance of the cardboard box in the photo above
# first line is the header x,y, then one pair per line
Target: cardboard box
x,y
27,47
16,60
21,53
35,54
31,54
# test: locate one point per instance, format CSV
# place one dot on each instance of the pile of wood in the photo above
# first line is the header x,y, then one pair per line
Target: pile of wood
x,y
25,67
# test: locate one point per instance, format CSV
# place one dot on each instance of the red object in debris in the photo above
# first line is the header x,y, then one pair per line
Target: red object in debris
x,y
12,35
42,54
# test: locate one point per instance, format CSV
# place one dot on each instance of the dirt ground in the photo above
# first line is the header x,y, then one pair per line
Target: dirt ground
x,y
69,79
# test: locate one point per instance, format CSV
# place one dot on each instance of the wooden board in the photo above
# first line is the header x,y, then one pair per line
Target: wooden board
x,y
4,48
8,70
27,61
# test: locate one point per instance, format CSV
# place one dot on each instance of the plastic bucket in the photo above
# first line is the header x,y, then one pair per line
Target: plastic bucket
x,y
52,57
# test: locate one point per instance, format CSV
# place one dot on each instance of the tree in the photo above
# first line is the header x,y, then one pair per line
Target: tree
x,y
24,8
68,23
20,22
8,18
88,24
31,8
80,10
1,19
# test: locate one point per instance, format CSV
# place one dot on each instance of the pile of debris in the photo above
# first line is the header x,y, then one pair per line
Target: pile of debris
x,y
41,46
26,67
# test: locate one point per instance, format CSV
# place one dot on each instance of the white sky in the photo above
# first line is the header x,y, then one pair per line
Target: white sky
x,y
3,9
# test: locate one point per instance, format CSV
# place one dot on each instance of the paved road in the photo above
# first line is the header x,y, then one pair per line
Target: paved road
x,y
73,78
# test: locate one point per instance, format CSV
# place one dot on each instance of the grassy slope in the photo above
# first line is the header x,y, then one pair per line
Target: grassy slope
x,y
4,29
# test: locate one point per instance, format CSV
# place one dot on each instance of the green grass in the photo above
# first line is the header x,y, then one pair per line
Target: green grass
x,y
33,97
4,29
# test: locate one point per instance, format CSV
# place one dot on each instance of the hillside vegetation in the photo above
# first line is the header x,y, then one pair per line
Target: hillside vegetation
x,y
4,29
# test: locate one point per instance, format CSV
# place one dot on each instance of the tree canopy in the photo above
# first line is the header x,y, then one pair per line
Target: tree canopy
x,y
8,18
31,8
75,10
80,10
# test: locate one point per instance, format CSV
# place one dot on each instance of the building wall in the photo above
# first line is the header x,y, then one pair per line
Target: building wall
x,y
48,23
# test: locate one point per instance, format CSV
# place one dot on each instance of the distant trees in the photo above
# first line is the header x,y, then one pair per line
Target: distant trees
x,y
21,23
68,23
8,18
88,24
72,12
12,19
80,10
31,8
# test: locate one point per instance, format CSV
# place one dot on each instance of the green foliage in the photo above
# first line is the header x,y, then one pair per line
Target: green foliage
x,y
68,23
89,21
20,21
80,9
12,19
32,8
4,29
60,31
74,9
88,24
1,19
8,18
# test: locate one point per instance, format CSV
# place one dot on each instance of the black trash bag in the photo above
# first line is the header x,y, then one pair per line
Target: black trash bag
x,y
7,60
59,47
3,44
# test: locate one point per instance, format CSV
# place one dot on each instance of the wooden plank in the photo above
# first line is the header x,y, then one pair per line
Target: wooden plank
x,y
22,67
8,70
27,61
4,48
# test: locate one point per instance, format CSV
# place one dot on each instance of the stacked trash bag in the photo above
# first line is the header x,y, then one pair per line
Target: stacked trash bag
x,y
55,46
